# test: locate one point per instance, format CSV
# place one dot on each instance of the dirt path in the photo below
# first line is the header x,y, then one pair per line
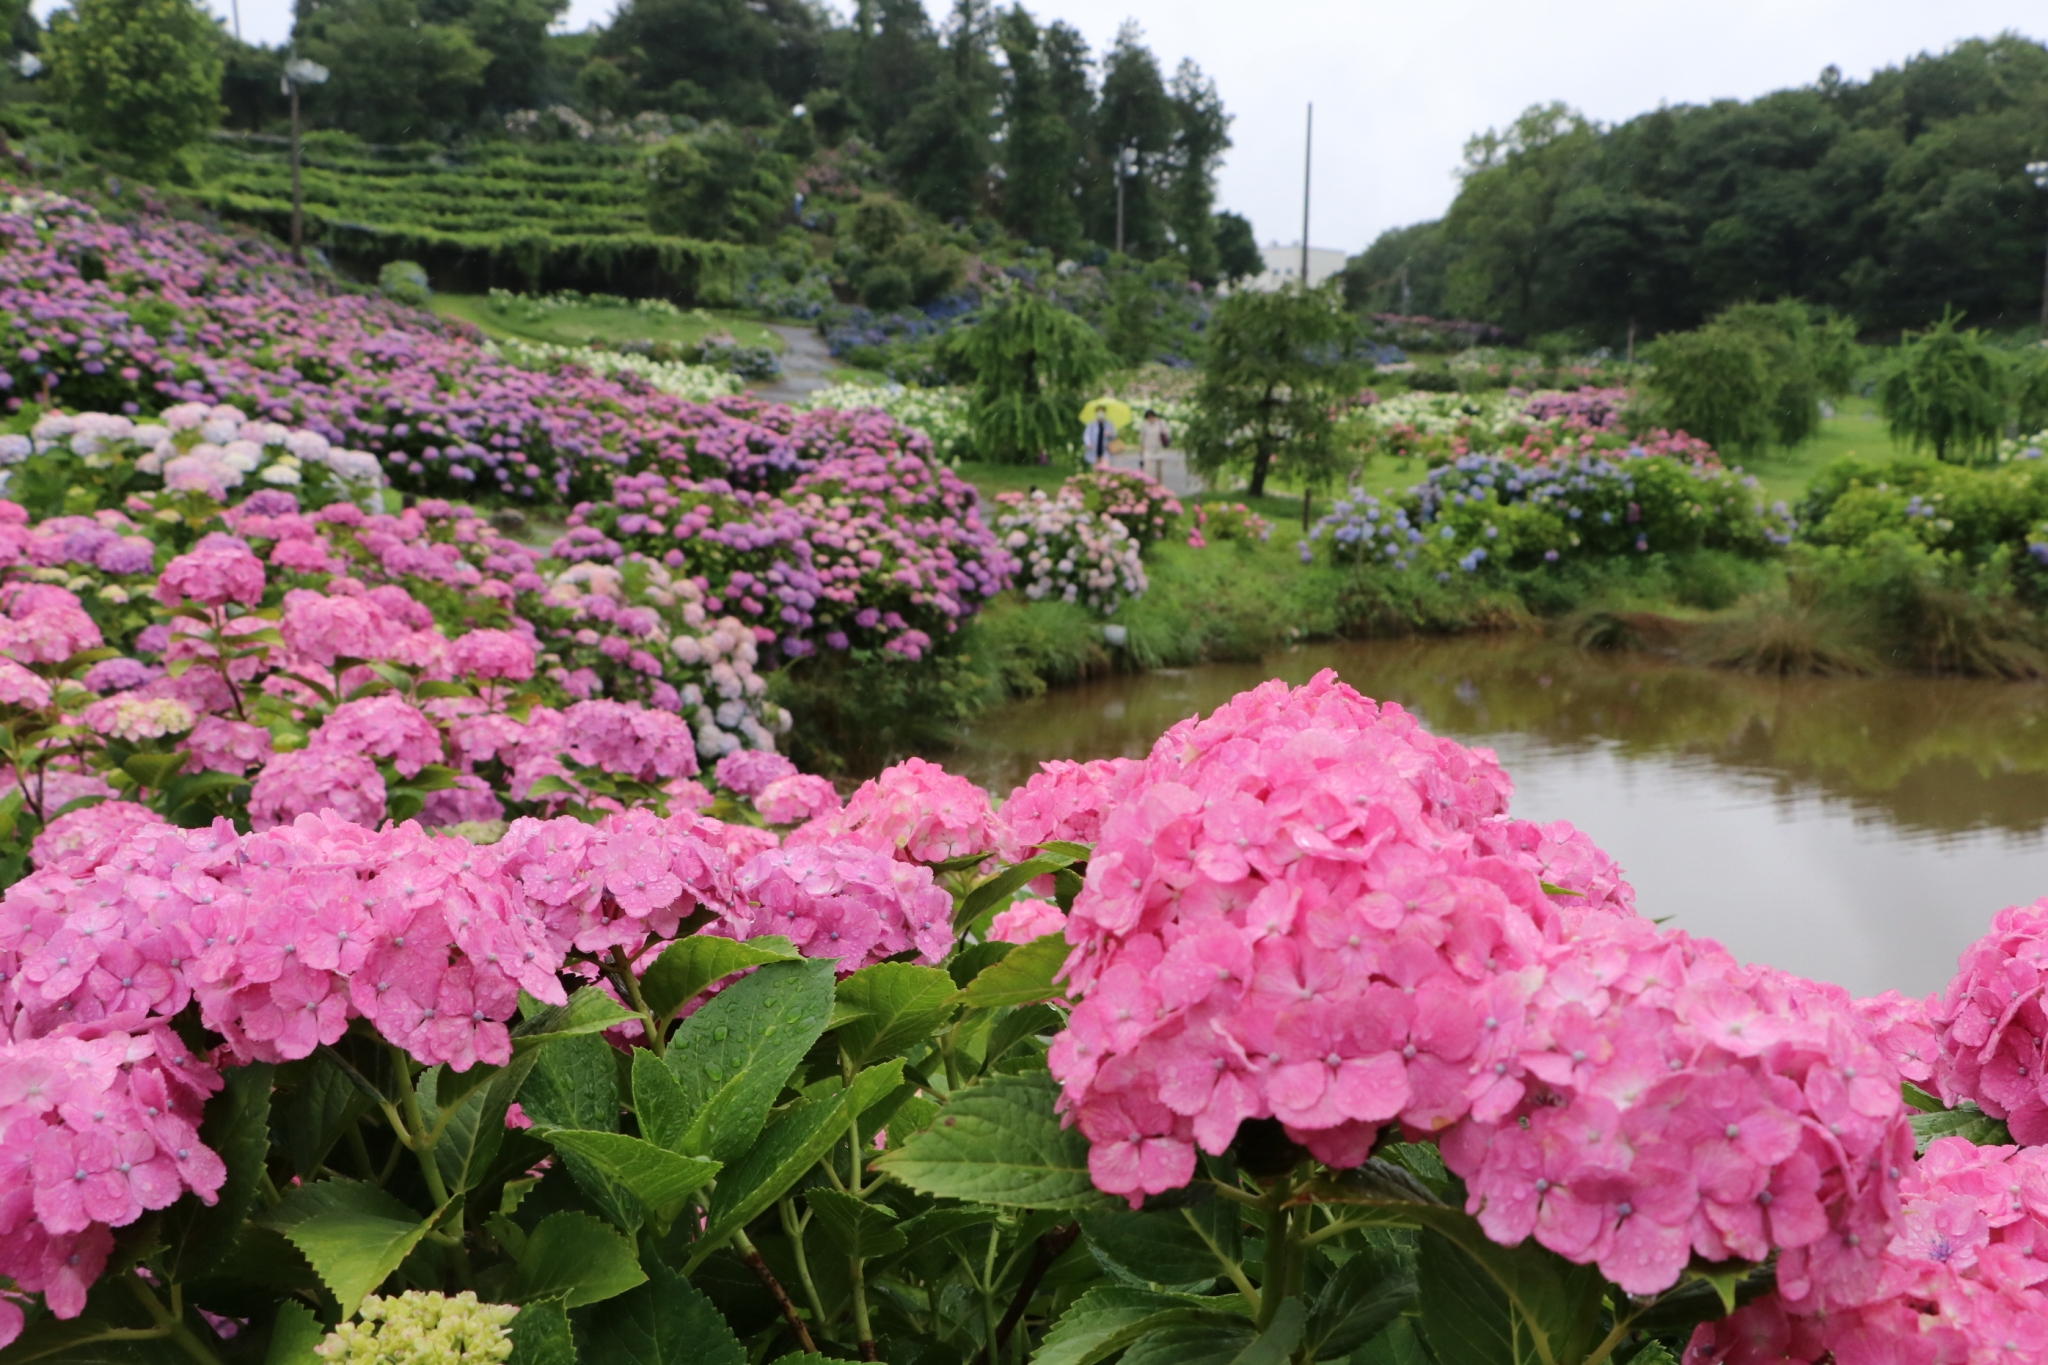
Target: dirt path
x,y
807,366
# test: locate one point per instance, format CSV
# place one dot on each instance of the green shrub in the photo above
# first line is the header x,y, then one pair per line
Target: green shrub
x,y
886,288
1033,365
719,184
1945,391
1716,384
405,282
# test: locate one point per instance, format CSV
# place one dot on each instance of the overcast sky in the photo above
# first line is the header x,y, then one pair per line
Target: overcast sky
x,y
1398,87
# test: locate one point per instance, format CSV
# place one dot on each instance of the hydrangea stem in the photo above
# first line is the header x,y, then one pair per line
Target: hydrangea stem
x,y
793,1228
422,1140
170,1322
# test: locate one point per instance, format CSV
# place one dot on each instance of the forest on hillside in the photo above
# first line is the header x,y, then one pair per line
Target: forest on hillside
x,y
1890,200
990,114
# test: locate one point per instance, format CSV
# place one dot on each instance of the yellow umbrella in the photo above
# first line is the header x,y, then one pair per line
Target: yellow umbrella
x,y
1118,411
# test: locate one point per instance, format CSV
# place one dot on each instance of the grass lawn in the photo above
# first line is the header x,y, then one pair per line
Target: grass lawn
x,y
584,324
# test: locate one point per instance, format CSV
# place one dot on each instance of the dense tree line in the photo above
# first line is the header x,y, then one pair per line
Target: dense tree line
x,y
1889,200
990,115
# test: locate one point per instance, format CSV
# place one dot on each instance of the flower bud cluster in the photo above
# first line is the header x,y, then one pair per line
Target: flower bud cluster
x,y
420,1327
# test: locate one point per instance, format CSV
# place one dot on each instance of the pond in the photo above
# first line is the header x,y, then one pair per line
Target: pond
x,y
1860,831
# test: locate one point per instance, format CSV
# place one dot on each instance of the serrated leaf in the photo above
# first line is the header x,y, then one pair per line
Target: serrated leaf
x,y
153,770
293,1335
1218,1340
1028,1021
237,1127
734,1054
662,1180
1465,1315
1105,1320
541,1336
666,1321
1161,1249
354,1235
999,1142
1966,1121
1366,1293
577,1259
885,1008
589,1010
1552,1306
854,1226
790,1146
1006,884
690,964
1024,977
574,1084
474,1130
658,1102
1400,1344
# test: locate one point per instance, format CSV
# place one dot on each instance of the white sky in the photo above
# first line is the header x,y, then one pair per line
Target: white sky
x,y
1399,86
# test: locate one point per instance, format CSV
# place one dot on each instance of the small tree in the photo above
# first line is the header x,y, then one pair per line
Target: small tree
x,y
1806,360
2030,389
1946,390
1033,366
1278,364
138,77
1716,384
718,184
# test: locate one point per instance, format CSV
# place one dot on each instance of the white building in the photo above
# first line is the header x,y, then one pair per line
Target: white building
x,y
1283,266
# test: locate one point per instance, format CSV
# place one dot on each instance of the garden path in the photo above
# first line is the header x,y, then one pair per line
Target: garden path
x,y
807,366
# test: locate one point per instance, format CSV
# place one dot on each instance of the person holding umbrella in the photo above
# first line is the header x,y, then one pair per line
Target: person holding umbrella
x,y
1097,436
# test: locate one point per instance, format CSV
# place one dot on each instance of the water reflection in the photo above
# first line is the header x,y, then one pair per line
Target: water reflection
x,y
1860,831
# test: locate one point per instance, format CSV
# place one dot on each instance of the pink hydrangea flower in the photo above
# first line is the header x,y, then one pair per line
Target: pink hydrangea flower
x,y
1063,801
493,654
1027,920
99,1128
1306,908
748,771
308,781
846,902
797,798
19,687
1991,1022
383,726
220,745
81,838
915,810
213,576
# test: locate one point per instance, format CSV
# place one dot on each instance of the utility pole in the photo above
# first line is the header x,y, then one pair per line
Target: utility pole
x,y
297,72
1308,161
237,7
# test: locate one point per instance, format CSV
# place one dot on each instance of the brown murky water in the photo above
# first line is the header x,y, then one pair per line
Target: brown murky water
x,y
1856,831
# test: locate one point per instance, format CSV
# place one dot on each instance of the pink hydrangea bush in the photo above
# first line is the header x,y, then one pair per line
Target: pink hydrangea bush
x,y
1068,553
1140,503
194,448
873,548
1307,909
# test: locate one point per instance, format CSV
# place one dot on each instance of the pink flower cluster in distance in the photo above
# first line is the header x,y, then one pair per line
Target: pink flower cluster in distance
x,y
1306,908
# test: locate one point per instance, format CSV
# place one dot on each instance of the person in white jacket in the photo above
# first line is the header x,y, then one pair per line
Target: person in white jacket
x,y
1154,440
